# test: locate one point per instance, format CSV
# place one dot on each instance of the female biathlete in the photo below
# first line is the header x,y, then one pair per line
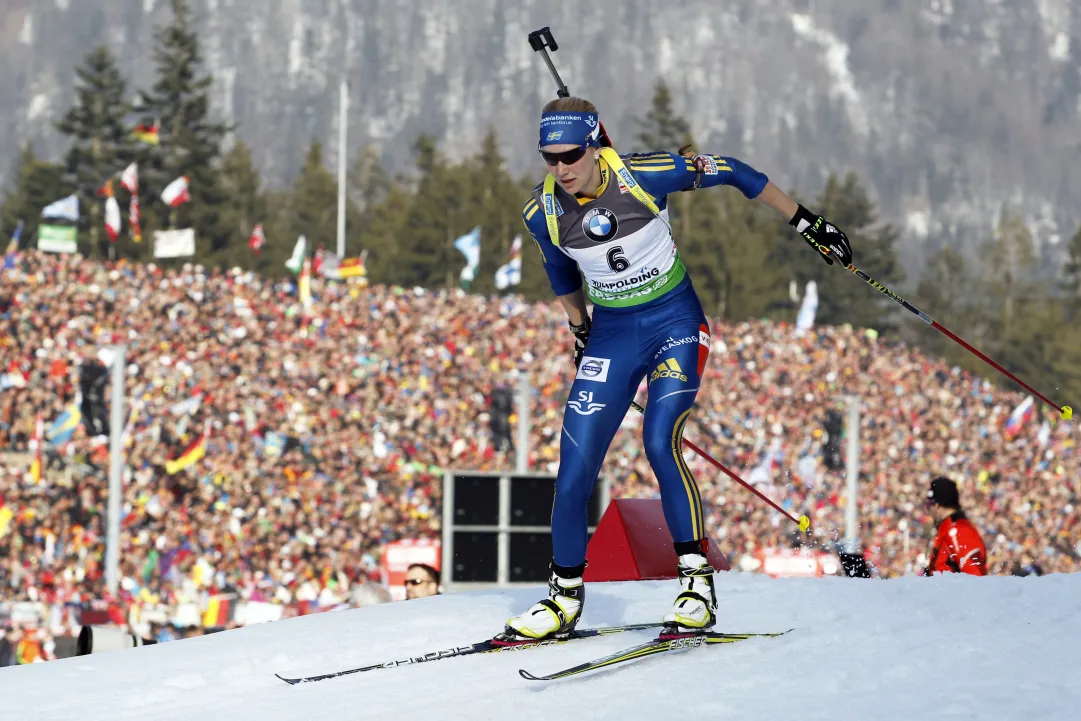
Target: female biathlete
x,y
604,216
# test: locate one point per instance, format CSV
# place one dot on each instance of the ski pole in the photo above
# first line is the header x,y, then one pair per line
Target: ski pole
x,y
803,522
540,41
1065,411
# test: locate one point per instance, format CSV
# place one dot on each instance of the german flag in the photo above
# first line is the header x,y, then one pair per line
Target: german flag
x,y
147,133
351,267
220,610
195,451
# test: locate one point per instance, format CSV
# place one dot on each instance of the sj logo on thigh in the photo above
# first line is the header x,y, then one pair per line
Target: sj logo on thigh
x,y
584,405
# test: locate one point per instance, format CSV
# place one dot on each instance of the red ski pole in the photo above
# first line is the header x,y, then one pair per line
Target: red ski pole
x,y
1066,412
803,522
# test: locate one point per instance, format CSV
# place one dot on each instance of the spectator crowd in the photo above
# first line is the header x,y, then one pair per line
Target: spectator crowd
x,y
324,433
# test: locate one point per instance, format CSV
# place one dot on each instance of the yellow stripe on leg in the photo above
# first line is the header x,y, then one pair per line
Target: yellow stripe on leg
x,y
688,483
694,484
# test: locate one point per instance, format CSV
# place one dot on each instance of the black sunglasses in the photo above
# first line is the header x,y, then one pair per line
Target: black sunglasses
x,y
416,581
567,157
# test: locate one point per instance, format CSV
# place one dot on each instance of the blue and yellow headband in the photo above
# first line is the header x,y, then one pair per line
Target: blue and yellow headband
x,y
563,128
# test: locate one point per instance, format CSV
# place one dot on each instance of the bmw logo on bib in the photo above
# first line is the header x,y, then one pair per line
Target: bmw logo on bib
x,y
600,225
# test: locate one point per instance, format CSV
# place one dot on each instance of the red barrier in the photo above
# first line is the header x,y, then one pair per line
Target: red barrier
x,y
632,543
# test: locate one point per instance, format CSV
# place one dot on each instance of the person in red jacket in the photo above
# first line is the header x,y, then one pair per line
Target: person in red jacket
x,y
958,547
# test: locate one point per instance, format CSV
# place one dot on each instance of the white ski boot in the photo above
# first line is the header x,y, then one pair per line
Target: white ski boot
x,y
695,609
553,617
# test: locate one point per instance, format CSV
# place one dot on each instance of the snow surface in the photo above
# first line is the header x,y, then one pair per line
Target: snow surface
x,y
911,648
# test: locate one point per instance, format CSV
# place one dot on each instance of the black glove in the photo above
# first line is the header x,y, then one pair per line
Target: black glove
x,y
581,337
823,236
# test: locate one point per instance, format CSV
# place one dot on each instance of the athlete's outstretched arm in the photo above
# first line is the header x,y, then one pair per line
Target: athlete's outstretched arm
x,y
664,173
820,234
775,198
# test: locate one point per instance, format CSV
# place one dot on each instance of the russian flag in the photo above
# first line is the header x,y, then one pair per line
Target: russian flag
x,y
1020,415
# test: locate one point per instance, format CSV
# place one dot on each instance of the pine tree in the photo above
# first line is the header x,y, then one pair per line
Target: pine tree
x,y
369,181
1043,350
35,184
1037,336
663,128
381,232
1007,262
696,217
1063,358
245,205
190,141
101,144
277,223
741,244
1071,277
1014,320
943,292
499,211
442,210
314,203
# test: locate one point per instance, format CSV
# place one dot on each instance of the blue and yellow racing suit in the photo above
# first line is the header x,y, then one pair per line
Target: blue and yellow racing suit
x,y
647,322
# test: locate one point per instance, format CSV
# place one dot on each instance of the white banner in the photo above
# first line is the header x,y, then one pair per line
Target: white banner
x,y
174,243
249,612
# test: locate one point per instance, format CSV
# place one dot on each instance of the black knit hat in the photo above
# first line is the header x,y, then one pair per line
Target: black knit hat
x,y
944,493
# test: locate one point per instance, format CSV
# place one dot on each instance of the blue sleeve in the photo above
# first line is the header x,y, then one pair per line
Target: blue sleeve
x,y
664,173
563,273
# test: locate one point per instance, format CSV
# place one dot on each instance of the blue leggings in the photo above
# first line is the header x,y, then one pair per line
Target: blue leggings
x,y
668,342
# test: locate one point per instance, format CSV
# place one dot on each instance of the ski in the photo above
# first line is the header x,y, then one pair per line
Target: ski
x,y
486,646
650,648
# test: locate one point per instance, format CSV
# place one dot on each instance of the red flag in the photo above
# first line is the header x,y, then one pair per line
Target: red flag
x,y
112,218
257,239
130,178
176,193
133,218
317,262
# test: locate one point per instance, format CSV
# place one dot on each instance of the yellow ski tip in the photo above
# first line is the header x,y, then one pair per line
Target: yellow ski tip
x,y
1067,413
804,523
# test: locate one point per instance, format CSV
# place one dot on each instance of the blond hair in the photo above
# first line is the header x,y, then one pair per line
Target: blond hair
x,y
569,105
